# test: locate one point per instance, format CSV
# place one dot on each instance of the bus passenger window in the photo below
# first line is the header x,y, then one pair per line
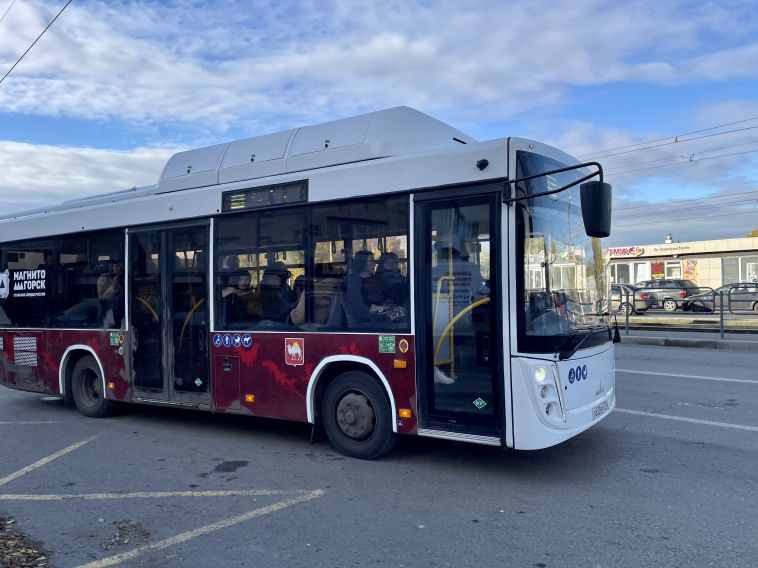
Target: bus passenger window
x,y
240,304
274,293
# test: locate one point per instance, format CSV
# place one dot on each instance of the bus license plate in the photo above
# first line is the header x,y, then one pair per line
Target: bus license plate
x,y
600,409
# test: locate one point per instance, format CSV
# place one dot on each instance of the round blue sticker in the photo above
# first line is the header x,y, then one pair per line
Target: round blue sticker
x,y
237,340
217,340
227,340
572,375
584,372
247,340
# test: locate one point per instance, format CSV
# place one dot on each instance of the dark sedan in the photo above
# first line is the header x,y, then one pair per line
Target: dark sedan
x,y
737,297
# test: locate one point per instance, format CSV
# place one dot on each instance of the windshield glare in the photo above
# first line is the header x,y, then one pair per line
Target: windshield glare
x,y
563,287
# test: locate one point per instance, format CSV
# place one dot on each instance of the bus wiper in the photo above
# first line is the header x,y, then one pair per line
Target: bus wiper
x,y
564,354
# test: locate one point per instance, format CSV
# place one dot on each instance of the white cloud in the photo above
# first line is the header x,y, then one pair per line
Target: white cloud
x,y
218,64
38,175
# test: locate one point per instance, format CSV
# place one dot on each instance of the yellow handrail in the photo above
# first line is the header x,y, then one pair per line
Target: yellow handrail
x,y
150,308
186,320
450,296
453,321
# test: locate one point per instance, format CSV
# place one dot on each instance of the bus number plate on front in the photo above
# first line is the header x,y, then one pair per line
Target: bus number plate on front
x,y
600,409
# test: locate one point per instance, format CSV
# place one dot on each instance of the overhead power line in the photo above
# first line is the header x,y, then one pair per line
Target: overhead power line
x,y
8,9
35,41
701,217
726,196
688,162
661,210
675,138
690,157
676,141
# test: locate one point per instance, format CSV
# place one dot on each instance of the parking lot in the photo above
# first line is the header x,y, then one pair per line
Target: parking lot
x,y
668,480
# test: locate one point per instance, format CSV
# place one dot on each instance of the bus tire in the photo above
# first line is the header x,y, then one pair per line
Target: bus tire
x,y
87,389
357,416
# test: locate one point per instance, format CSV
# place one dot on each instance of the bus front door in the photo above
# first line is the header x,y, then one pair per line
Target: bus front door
x,y
168,288
457,283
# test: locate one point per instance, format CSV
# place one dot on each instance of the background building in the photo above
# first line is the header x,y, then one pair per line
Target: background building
x,y
706,263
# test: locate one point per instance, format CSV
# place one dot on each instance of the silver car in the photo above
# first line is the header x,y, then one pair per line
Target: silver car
x,y
624,296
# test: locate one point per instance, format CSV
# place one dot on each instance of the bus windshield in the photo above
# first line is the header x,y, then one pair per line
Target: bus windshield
x,y
562,285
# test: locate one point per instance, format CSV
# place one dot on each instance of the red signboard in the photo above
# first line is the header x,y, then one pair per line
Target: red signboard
x,y
626,251
657,270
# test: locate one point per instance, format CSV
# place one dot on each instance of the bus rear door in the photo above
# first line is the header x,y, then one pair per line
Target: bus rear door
x,y
168,289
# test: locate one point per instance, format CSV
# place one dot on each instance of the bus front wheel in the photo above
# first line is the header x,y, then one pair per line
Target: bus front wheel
x,y
357,416
87,389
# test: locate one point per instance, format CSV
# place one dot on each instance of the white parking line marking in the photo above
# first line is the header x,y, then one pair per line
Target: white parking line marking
x,y
149,495
690,420
701,378
189,535
29,422
45,461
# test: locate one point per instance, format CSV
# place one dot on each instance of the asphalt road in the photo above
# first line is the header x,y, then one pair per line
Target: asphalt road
x,y
669,479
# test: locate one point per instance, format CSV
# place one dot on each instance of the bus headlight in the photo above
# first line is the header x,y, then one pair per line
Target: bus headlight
x,y
547,394
540,374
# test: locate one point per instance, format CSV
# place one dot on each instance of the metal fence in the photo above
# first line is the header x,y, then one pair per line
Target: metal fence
x,y
739,299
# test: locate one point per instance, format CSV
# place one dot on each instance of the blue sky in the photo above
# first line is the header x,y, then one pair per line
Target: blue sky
x,y
114,88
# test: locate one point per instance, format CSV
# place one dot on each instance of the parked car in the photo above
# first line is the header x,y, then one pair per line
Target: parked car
x,y
624,296
668,293
737,297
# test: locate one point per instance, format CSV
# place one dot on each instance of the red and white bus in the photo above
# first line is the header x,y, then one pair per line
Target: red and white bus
x,y
378,275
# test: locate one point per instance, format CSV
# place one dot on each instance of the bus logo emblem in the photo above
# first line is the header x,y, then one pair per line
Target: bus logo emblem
x,y
4,285
294,351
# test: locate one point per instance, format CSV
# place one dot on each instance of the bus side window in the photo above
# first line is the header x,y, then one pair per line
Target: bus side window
x,y
239,303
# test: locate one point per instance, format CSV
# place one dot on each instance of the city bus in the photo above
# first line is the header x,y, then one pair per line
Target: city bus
x,y
378,275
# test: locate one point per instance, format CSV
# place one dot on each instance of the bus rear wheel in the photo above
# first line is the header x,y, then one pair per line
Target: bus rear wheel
x,y
357,416
87,389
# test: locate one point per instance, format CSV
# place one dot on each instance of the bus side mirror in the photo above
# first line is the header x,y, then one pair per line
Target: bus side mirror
x,y
596,208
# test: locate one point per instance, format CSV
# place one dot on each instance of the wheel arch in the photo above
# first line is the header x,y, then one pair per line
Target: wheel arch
x,y
330,368
69,359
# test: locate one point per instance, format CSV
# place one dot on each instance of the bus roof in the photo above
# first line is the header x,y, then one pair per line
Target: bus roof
x,y
383,152
392,132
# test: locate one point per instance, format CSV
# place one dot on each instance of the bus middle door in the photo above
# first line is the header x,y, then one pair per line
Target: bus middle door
x,y
169,314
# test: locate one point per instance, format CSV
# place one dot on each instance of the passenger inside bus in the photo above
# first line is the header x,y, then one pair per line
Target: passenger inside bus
x,y
110,293
324,301
240,301
456,284
274,293
362,294
454,265
390,281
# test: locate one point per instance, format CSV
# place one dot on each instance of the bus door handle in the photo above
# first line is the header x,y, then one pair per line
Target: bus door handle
x,y
486,348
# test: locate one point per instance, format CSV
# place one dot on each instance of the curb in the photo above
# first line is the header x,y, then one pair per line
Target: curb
x,y
735,345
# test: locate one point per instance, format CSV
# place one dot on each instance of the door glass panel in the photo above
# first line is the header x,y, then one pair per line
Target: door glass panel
x,y
188,253
460,259
146,310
